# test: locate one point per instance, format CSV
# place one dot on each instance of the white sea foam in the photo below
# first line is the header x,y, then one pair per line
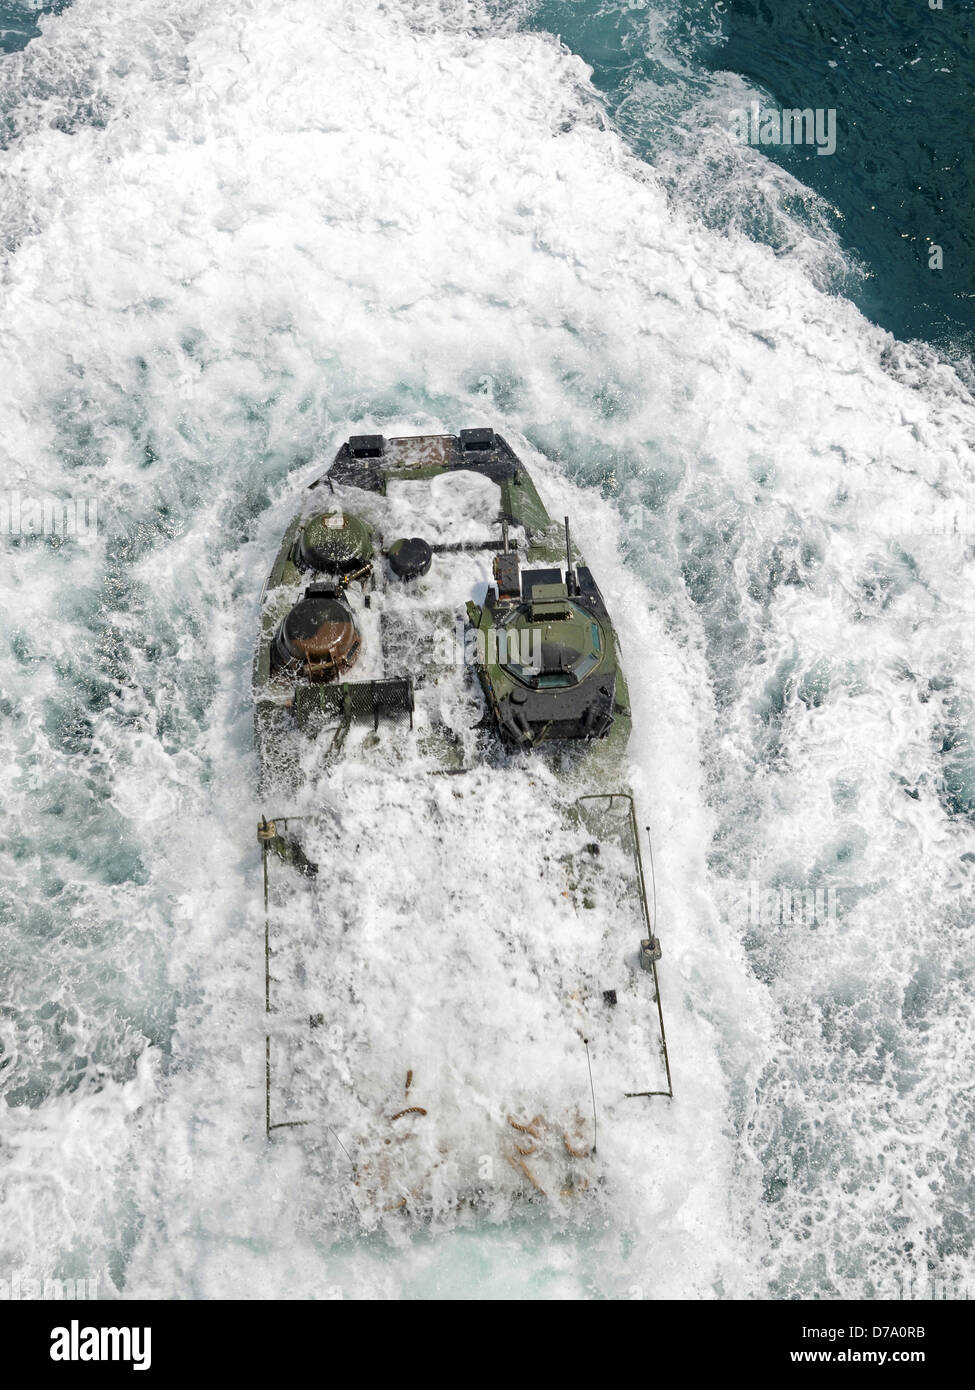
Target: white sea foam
x,y
231,239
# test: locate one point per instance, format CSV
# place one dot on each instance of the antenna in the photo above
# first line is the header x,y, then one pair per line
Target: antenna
x,y
570,582
592,1089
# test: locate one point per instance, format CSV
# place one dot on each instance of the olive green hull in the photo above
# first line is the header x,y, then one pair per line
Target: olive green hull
x,y
448,810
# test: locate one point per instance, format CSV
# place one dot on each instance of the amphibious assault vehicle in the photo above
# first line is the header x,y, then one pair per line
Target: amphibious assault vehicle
x,y
460,956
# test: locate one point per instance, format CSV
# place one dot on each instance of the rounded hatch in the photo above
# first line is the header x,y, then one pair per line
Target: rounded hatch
x,y
335,543
410,559
318,635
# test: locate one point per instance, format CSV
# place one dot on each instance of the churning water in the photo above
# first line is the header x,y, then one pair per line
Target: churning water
x,y
231,235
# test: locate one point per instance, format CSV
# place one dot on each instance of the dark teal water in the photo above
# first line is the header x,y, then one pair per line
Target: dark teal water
x,y
900,77
18,21
904,169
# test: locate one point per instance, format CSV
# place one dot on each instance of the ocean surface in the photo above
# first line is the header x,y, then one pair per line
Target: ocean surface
x,y
230,236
